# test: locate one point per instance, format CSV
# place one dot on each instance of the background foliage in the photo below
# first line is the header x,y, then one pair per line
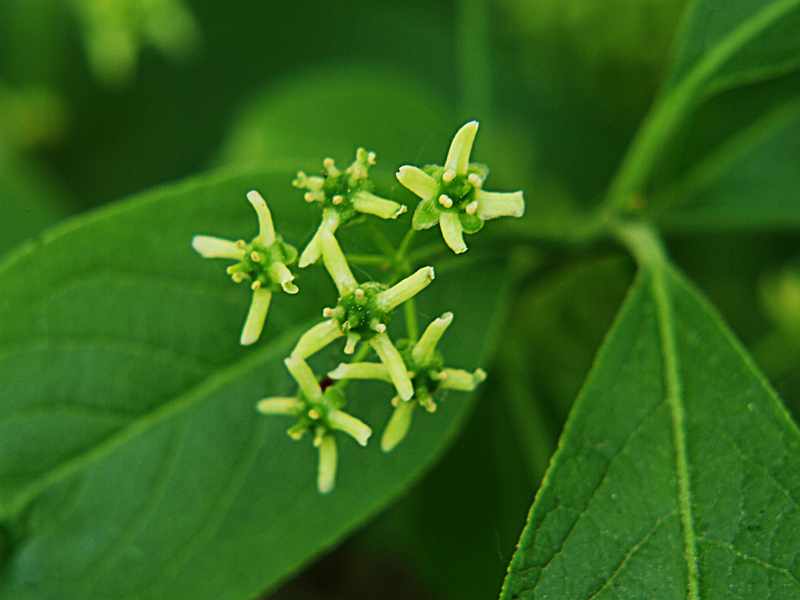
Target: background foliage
x,y
561,89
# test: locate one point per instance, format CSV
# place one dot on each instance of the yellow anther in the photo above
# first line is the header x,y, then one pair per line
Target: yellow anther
x,y
314,414
255,256
448,175
255,285
472,207
445,201
338,199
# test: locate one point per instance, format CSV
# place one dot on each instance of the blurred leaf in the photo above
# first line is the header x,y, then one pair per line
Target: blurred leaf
x,y
581,81
742,42
129,442
29,201
325,112
674,476
750,40
751,181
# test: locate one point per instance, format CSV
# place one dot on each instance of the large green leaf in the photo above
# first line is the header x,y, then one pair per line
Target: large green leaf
x,y
677,475
751,181
132,461
718,48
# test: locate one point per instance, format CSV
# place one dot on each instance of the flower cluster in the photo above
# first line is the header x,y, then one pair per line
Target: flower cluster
x,y
452,196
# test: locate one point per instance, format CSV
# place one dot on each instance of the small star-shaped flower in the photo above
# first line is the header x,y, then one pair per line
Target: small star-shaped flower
x,y
343,195
318,411
453,196
425,368
263,262
362,313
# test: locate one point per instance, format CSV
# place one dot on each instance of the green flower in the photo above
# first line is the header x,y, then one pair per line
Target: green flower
x,y
263,262
429,377
343,195
319,412
362,314
453,196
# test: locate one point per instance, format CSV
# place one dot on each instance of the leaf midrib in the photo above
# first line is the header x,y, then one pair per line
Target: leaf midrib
x,y
148,421
674,398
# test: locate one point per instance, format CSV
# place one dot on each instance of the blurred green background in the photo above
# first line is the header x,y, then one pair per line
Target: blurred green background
x,y
101,99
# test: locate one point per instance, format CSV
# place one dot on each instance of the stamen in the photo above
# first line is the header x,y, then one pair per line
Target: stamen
x,y
472,207
314,414
446,201
338,199
448,175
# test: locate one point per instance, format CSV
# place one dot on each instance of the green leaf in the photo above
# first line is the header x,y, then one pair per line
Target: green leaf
x,y
751,181
328,112
676,475
748,41
129,440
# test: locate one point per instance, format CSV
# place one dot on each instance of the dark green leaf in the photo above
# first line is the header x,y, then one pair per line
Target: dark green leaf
x,y
129,441
326,112
677,473
750,40
751,181
740,42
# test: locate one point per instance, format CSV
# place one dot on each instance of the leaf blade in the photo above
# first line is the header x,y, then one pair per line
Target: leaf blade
x,y
179,483
657,510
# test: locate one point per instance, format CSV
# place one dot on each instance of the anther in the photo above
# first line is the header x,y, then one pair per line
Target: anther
x,y
359,294
475,180
371,158
255,256
255,285
327,312
338,199
448,175
445,201
238,277
314,414
241,244
308,197
472,207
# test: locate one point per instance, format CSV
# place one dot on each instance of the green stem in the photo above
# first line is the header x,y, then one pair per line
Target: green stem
x,y
643,242
400,255
412,328
367,259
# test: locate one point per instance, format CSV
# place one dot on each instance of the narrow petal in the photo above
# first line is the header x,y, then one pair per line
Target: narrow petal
x,y
336,263
425,347
418,181
398,426
390,357
312,252
280,406
326,476
316,338
353,427
426,215
405,289
361,370
213,247
370,204
304,377
461,148
452,232
461,380
266,233
281,273
256,316
500,204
